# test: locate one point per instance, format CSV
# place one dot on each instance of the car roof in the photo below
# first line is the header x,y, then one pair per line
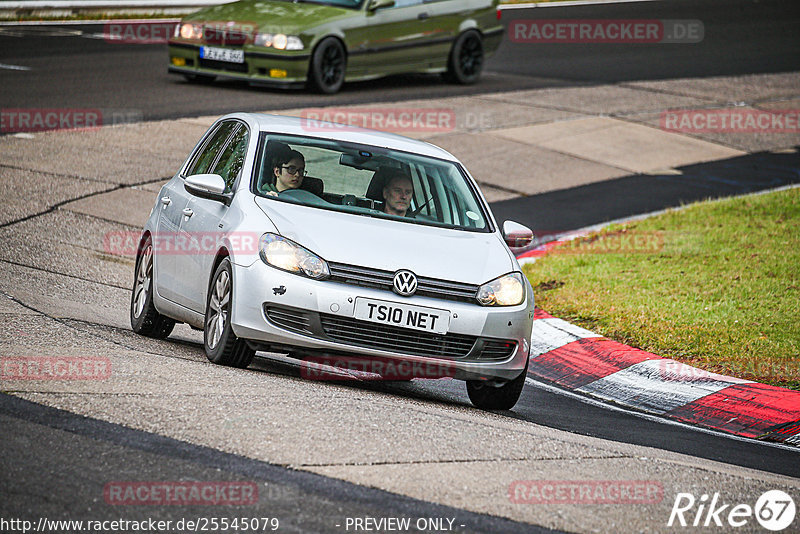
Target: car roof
x,y
327,130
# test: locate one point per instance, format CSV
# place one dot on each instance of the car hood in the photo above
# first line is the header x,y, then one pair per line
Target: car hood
x,y
456,255
272,17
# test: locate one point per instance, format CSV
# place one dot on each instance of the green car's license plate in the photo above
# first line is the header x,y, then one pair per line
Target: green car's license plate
x,y
222,54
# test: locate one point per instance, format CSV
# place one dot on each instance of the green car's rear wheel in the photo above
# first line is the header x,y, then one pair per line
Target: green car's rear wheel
x,y
328,63
466,58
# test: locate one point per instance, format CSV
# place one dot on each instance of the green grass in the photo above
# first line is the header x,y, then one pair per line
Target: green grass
x,y
715,285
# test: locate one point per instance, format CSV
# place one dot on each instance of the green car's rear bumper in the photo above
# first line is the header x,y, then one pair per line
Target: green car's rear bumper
x,y
285,70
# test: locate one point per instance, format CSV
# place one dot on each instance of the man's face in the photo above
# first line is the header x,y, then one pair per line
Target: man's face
x,y
286,179
398,194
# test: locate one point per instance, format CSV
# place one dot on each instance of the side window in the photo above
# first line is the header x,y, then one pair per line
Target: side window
x,y
406,3
208,154
231,161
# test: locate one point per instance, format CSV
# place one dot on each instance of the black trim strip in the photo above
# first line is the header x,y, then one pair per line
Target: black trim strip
x,y
233,76
402,46
304,57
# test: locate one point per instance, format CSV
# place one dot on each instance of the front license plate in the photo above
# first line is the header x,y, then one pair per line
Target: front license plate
x,y
222,54
403,315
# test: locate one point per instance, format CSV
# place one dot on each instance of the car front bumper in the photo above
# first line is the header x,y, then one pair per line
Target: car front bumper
x,y
265,68
279,310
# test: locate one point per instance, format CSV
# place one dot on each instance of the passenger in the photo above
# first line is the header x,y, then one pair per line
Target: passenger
x,y
397,195
289,169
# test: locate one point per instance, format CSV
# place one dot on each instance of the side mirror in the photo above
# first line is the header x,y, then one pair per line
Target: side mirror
x,y
210,186
374,5
517,235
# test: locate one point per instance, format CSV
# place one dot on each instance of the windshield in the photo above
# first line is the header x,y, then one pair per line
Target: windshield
x,y
367,181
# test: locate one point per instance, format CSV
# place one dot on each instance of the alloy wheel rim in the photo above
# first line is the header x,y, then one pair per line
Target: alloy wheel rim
x,y
331,66
218,303
142,287
471,56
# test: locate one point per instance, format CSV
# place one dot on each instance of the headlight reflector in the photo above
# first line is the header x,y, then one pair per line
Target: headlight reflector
x,y
263,39
287,255
507,290
191,31
278,41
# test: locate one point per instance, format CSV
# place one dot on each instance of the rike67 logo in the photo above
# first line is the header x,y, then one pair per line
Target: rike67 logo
x,y
774,510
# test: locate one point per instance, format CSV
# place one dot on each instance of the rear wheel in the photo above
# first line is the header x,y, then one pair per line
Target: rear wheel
x,y
328,63
466,59
145,319
221,344
491,396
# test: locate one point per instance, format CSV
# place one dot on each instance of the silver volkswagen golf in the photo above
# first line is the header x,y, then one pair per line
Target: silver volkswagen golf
x,y
319,240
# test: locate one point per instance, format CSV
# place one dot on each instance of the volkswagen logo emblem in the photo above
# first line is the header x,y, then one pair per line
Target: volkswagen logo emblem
x,y
405,283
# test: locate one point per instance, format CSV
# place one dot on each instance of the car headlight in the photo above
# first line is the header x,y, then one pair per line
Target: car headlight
x,y
278,41
508,290
287,255
190,31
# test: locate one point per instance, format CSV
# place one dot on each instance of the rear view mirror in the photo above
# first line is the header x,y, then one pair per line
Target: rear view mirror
x,y
517,235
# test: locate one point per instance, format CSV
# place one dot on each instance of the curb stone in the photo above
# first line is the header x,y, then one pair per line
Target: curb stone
x,y
576,359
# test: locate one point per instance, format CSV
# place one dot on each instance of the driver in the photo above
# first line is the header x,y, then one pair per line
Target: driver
x,y
397,194
289,170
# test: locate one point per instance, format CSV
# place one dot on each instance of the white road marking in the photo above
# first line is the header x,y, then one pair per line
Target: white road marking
x,y
13,67
551,334
658,386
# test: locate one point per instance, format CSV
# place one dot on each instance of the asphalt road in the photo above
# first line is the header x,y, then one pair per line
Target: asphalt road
x,y
77,70
71,67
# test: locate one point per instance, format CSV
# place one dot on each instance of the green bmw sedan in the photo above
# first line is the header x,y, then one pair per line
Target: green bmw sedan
x,y
323,43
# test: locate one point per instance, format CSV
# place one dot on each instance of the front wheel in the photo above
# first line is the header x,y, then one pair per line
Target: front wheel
x,y
221,344
145,319
466,59
489,396
327,68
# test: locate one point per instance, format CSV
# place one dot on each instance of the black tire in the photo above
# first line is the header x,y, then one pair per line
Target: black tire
x,y
466,59
488,396
221,344
327,67
199,78
145,319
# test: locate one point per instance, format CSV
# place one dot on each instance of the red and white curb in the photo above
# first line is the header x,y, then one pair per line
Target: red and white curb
x,y
584,362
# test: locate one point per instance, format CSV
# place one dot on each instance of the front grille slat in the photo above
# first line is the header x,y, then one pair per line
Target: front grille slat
x,y
394,339
376,336
294,320
380,279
